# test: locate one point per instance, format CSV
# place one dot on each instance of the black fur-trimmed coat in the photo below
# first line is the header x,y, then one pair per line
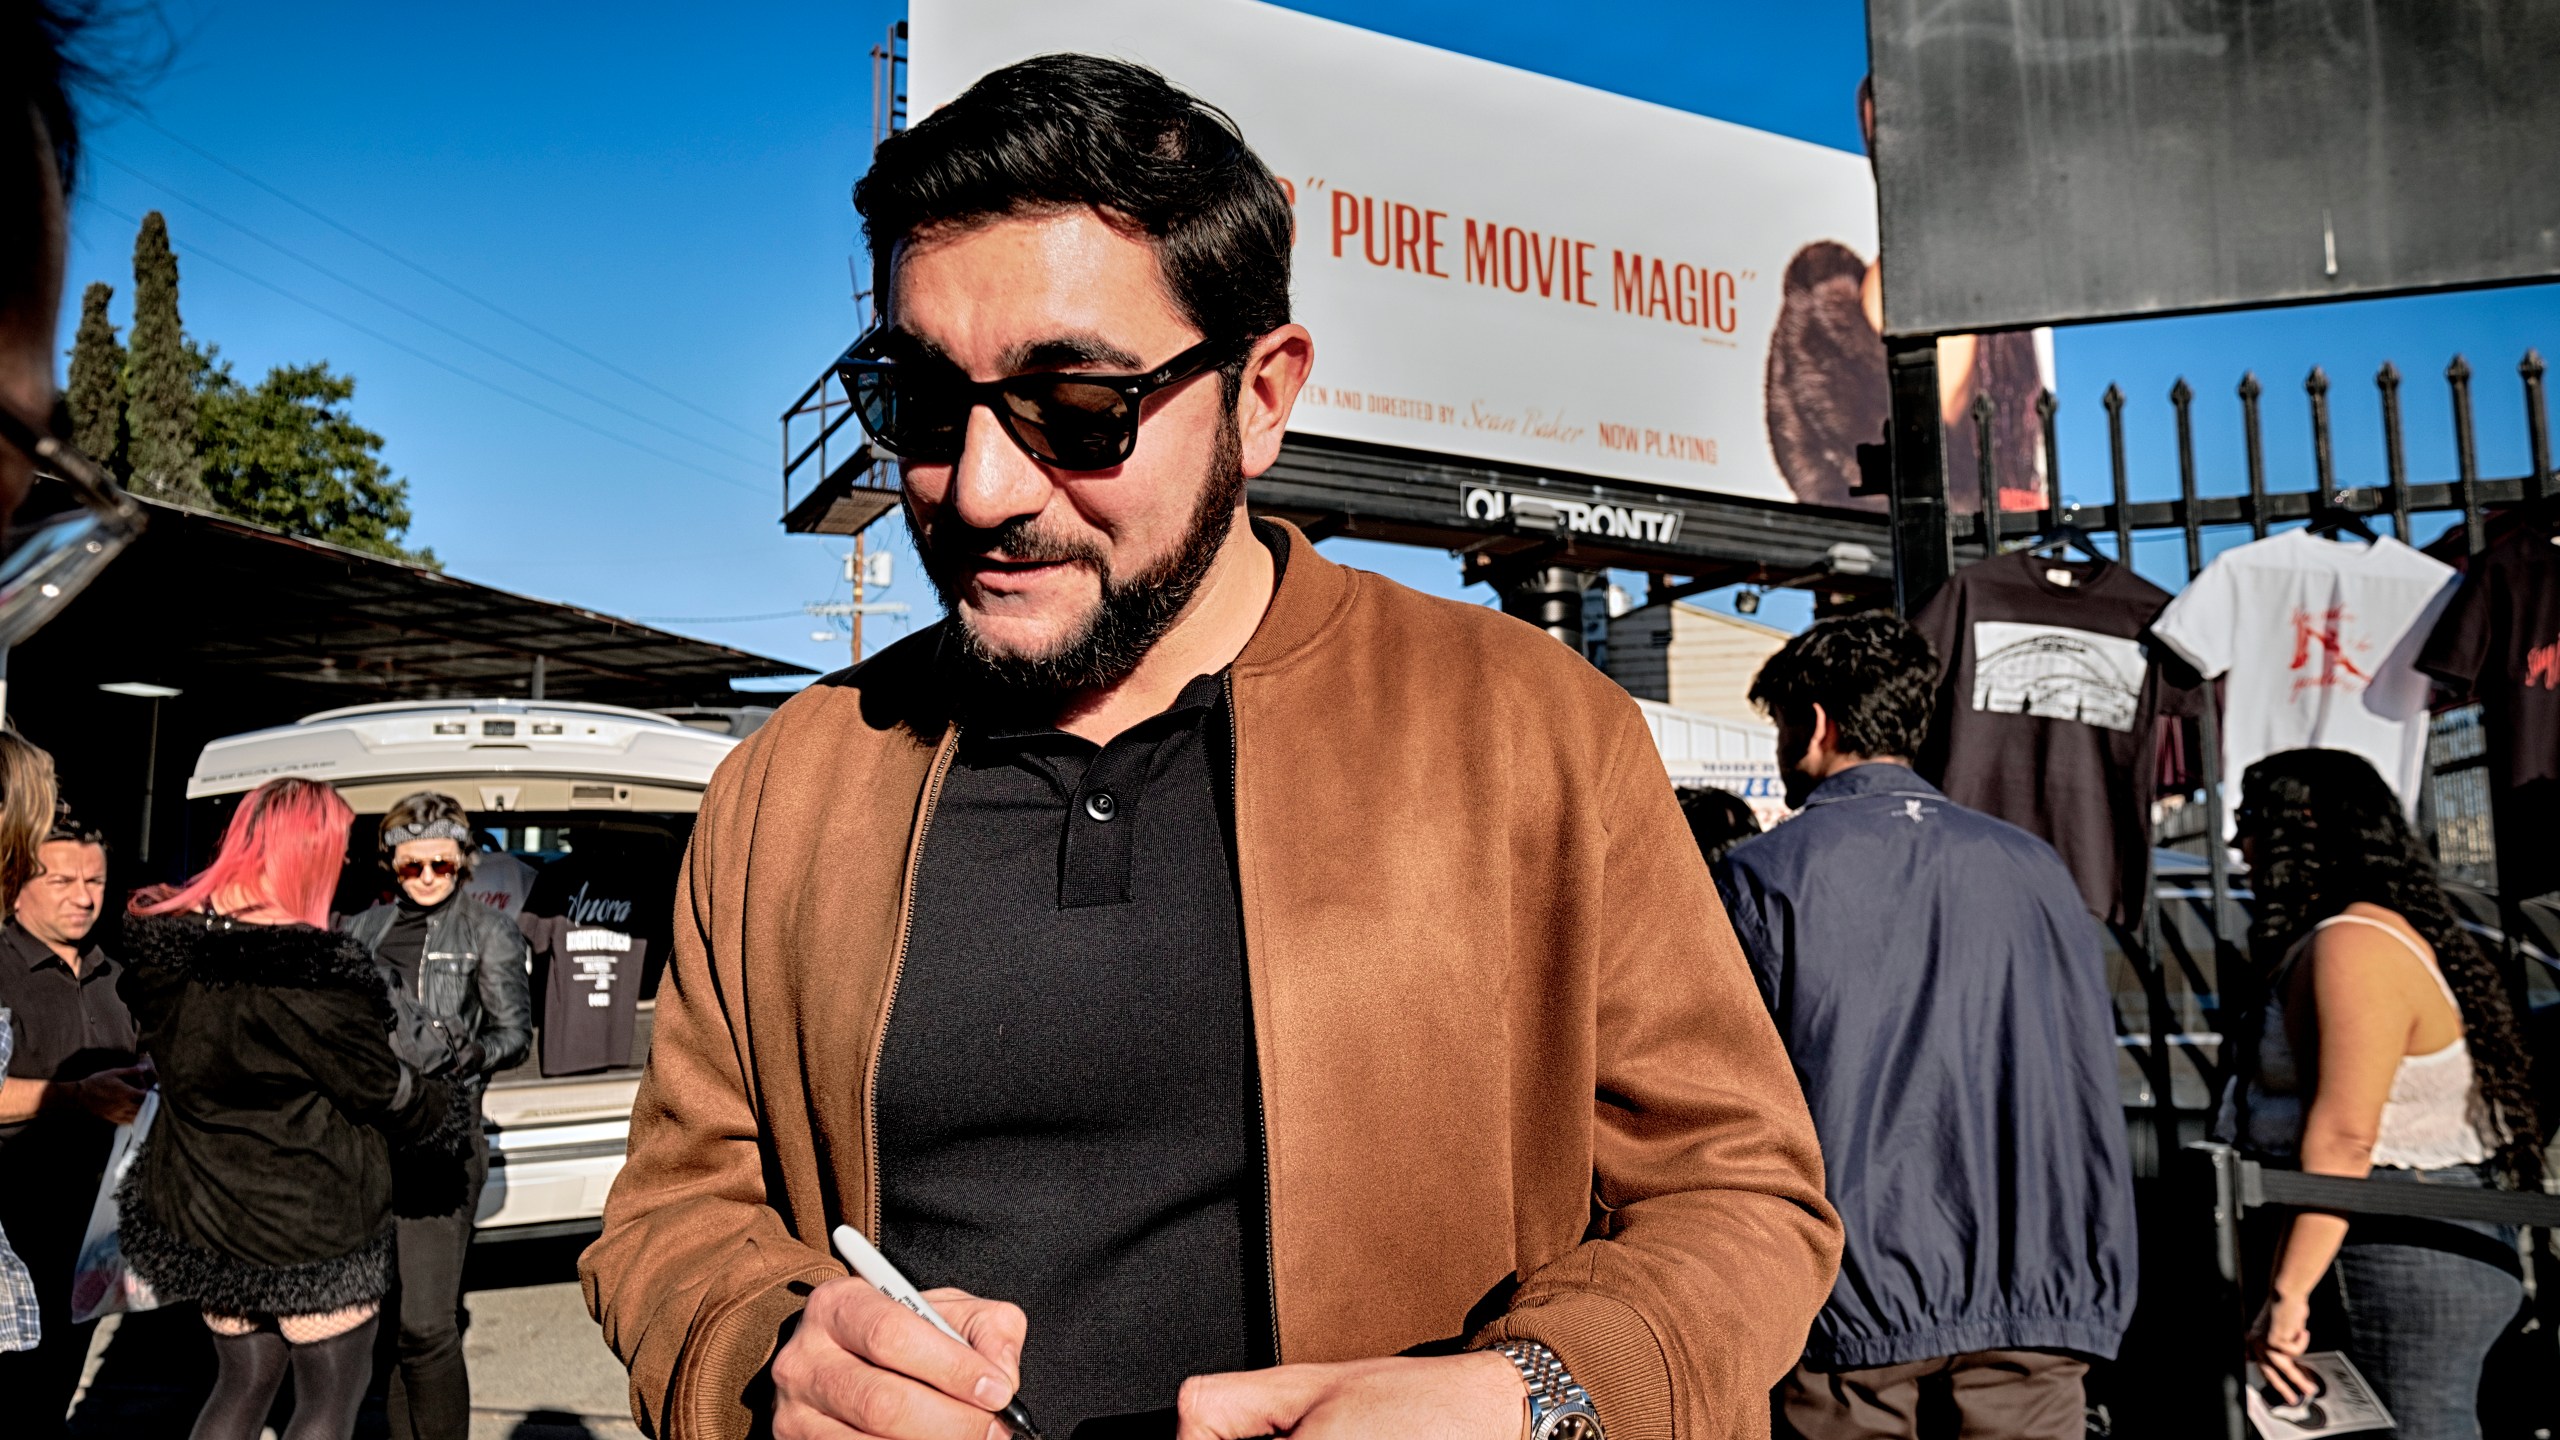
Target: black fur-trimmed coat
x,y
266,1185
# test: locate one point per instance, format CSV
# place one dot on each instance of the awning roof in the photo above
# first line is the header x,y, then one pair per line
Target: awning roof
x,y
203,599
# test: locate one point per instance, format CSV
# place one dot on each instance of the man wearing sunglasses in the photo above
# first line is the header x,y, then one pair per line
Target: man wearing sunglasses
x,y
1262,999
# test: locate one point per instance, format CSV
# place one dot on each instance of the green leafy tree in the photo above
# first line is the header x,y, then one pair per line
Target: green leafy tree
x,y
97,384
160,390
286,453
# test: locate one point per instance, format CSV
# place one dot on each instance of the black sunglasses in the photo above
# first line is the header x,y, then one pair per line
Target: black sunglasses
x,y
1072,421
45,564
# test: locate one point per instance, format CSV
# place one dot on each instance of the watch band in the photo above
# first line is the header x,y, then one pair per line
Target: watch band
x,y
1556,1401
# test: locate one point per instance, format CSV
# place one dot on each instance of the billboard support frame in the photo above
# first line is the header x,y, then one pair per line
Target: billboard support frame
x,y
1923,536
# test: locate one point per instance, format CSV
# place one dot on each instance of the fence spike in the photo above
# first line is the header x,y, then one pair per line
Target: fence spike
x,y
2322,464
2123,510
1986,471
2183,399
2396,465
2046,405
2537,424
2249,429
2457,378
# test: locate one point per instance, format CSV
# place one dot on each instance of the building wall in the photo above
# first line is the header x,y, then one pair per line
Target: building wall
x,y
1691,658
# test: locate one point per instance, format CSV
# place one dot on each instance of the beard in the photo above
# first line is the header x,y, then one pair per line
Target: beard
x,y
1128,618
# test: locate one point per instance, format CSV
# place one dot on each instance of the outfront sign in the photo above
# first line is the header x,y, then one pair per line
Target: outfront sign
x,y
1502,265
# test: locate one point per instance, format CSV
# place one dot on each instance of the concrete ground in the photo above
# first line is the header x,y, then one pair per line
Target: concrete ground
x,y
540,1371
539,1368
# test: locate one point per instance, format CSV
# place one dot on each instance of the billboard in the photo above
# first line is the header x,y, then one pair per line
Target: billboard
x,y
1510,267
2047,161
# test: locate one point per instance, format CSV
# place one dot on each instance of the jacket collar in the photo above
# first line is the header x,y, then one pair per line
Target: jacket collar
x,y
1309,598
1876,777
217,952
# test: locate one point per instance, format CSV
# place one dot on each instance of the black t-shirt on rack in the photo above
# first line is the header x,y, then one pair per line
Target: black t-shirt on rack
x,y
2499,643
2047,710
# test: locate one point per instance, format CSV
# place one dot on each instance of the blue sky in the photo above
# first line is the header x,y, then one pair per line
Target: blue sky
x,y
665,187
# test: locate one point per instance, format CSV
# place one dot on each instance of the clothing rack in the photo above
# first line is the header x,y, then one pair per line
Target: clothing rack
x,y
2240,1185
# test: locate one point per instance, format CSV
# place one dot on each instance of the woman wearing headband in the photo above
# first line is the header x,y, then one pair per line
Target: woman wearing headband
x,y
461,972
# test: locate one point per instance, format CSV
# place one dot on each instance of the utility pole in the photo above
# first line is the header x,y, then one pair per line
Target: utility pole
x,y
864,572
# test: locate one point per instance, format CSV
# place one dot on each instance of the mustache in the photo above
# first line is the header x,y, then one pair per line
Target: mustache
x,y
950,543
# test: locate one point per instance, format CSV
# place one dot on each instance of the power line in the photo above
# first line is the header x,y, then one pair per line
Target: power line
x,y
441,364
381,299
490,305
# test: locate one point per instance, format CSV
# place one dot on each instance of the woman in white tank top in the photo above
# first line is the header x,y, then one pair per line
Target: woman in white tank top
x,y
2384,1050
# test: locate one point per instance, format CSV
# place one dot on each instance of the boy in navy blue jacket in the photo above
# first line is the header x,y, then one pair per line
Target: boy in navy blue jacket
x,y
1941,990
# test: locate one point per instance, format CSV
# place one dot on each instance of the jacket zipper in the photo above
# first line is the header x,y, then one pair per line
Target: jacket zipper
x,y
897,967
1261,1115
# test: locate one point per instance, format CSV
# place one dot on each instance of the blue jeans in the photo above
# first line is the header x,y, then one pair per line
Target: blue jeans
x,y
2423,1301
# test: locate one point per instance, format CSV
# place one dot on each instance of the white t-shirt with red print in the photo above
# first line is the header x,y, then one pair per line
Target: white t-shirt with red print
x,y
2317,637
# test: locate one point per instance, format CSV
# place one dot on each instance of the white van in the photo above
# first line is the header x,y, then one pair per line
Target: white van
x,y
536,775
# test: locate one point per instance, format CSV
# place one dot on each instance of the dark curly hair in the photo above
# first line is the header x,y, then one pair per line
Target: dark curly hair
x,y
1057,132
2328,832
1873,674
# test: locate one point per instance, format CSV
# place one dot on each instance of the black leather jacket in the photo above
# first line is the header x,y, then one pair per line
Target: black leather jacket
x,y
475,976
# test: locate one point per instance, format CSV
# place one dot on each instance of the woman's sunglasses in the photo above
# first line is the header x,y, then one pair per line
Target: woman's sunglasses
x,y
920,412
412,869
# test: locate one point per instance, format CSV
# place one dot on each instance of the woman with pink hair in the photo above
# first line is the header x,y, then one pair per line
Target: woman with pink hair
x,y
264,1192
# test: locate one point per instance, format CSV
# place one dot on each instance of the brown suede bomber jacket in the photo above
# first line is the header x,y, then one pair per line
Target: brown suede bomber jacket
x,y
1516,1077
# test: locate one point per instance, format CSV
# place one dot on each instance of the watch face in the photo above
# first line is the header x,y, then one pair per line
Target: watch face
x,y
1574,1427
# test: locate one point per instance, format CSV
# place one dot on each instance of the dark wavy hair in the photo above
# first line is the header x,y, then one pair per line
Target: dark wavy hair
x,y
1873,674
2328,832
1057,132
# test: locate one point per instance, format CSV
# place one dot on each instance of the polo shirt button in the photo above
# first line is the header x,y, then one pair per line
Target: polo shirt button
x,y
1100,805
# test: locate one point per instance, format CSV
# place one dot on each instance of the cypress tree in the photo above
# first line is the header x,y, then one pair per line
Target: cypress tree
x,y
97,384
160,384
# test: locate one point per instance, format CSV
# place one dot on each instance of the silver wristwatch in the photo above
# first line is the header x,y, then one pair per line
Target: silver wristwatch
x,y
1558,1408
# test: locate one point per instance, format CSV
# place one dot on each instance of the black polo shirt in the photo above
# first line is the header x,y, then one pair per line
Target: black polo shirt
x,y
67,1027
1068,1104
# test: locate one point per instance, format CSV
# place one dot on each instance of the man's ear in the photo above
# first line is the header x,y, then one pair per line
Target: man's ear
x,y
1273,375
1822,733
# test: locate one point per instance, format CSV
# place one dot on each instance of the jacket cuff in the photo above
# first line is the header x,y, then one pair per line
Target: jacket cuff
x,y
1612,1353
718,1396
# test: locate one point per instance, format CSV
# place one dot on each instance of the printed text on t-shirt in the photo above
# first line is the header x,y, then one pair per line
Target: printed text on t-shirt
x,y
2542,665
589,912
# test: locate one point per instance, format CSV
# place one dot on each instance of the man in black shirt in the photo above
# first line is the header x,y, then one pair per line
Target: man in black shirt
x,y
72,1080
1153,956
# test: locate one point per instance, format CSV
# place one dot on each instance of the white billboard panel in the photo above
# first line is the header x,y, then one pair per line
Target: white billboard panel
x,y
1508,266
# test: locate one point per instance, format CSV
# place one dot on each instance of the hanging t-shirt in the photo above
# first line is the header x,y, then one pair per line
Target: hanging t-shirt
x,y
2499,643
2318,638
590,993
595,916
500,881
2047,707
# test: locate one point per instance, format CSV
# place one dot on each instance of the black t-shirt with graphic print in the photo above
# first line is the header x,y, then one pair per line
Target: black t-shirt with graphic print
x,y
2048,707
